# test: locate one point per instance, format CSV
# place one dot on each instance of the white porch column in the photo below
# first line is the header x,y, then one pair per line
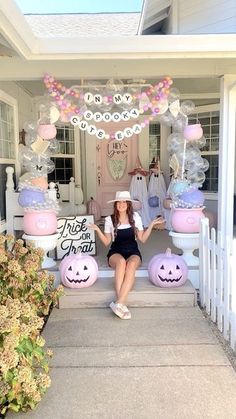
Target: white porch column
x,y
226,191
226,155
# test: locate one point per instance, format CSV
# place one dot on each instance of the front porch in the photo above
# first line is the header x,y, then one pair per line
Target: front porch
x,y
144,293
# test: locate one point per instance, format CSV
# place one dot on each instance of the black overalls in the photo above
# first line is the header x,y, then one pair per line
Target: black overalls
x,y
125,244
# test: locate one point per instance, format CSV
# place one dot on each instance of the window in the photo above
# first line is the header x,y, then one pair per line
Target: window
x,y
65,158
8,143
154,141
7,131
210,125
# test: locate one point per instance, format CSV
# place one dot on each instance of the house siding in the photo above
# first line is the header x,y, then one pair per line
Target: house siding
x,y
24,101
211,16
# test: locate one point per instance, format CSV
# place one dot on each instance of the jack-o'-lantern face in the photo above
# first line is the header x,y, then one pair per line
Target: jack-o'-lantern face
x,y
167,270
73,275
78,271
170,273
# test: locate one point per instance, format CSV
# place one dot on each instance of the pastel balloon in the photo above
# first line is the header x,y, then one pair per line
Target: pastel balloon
x,y
193,132
40,182
179,187
30,197
47,131
193,197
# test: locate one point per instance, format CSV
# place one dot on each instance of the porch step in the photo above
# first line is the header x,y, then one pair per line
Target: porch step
x,y
144,294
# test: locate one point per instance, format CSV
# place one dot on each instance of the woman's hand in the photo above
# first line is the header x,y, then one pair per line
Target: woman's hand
x,y
158,220
104,237
93,227
144,234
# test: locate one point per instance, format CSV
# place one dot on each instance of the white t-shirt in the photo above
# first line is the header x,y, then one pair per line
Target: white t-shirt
x,y
109,228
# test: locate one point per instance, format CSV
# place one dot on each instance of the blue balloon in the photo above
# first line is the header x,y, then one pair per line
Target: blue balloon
x,y
30,197
179,187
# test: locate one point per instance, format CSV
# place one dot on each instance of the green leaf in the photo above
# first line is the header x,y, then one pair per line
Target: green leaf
x,y
14,407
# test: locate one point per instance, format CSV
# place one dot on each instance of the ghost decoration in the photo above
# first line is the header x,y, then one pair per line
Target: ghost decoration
x,y
156,188
138,191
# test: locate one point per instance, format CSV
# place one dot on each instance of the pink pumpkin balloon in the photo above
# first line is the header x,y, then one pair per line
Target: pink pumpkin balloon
x,y
78,270
167,270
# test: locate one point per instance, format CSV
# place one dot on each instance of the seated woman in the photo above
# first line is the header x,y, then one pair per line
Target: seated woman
x,y
122,228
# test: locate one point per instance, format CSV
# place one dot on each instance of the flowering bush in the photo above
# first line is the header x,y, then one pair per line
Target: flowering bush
x,y
20,276
26,295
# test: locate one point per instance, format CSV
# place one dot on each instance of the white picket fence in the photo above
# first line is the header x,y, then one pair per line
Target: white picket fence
x,y
217,256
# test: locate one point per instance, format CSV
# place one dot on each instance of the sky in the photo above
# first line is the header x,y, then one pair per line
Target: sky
x,y
79,6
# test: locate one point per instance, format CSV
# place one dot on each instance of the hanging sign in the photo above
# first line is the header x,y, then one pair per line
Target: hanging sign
x,y
75,235
74,104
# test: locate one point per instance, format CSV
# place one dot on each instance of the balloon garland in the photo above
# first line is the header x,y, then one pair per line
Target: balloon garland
x,y
87,108
75,106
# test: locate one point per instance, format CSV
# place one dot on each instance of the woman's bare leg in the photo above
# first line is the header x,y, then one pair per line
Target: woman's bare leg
x,y
131,265
118,263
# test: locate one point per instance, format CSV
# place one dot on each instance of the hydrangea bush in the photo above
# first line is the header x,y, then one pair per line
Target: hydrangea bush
x,y
26,295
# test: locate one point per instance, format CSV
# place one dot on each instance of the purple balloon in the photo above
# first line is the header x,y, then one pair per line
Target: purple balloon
x,y
30,197
192,197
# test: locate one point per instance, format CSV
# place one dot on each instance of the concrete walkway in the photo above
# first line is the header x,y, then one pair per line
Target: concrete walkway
x,y
165,363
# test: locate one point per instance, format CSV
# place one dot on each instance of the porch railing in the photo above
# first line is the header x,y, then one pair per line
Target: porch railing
x,y
216,283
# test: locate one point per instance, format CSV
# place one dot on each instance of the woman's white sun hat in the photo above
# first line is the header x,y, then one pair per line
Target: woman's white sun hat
x,y
122,196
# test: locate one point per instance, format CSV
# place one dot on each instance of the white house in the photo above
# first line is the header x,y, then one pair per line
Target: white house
x,y
192,42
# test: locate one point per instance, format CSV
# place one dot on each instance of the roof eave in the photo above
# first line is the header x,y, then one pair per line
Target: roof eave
x,y
174,46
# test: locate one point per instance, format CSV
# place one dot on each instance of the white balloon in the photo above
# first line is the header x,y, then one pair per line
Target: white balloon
x,y
202,142
166,119
187,107
30,137
30,126
173,95
205,165
196,178
114,86
180,123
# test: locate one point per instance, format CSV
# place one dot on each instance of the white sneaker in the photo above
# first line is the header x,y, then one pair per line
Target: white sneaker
x,y
120,310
